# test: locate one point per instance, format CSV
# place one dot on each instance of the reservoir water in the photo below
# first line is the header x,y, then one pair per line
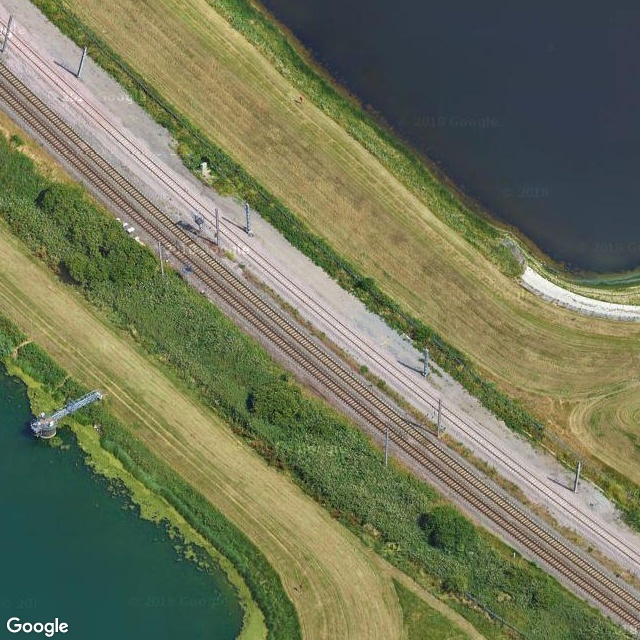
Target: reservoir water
x,y
531,108
70,549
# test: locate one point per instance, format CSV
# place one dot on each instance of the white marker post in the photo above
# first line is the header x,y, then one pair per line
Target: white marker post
x,y
84,55
247,212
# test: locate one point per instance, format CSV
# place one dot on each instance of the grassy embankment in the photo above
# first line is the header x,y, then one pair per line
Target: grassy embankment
x,y
392,512
428,260
421,623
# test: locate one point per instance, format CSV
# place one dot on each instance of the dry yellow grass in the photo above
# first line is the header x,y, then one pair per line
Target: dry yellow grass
x,y
556,361
336,585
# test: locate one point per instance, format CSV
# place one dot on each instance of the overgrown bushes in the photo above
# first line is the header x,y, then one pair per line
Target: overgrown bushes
x,y
10,337
446,529
37,364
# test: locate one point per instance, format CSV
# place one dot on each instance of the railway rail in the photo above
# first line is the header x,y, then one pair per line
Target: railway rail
x,y
330,374
416,392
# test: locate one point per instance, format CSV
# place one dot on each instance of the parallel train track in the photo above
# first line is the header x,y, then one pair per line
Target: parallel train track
x,y
322,367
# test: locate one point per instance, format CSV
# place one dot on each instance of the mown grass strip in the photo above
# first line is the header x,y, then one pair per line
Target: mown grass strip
x,y
421,621
328,457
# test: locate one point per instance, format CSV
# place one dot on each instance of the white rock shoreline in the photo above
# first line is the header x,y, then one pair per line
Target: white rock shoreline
x,y
540,286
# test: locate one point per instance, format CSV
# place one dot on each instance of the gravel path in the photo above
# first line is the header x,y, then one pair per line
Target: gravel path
x,y
539,285
118,129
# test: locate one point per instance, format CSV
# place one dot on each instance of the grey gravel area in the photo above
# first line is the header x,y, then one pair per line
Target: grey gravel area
x,y
102,113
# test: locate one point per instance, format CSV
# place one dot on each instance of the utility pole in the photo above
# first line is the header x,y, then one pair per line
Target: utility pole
x,y
386,447
84,55
247,212
425,370
440,430
6,35
161,259
217,228
575,482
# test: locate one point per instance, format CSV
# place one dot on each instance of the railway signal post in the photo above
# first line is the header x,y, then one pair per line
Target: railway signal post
x,y
161,259
82,59
425,369
247,212
217,228
7,34
199,220
440,429
575,482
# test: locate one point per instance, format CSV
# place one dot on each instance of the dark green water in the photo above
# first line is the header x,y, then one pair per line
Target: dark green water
x,y
70,549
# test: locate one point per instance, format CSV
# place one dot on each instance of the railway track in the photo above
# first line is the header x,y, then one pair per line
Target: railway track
x,y
326,370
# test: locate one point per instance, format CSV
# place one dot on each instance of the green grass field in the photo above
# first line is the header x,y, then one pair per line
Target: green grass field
x,y
421,621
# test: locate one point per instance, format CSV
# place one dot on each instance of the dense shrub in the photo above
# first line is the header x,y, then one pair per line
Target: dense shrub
x,y
449,530
456,580
36,362
10,337
277,402
95,252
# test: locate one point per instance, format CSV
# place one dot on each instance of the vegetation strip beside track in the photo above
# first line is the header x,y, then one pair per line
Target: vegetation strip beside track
x,y
586,520
231,177
259,400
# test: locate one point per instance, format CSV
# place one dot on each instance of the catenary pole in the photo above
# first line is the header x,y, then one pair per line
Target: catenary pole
x,y
247,212
5,42
386,447
425,369
161,258
82,59
575,482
